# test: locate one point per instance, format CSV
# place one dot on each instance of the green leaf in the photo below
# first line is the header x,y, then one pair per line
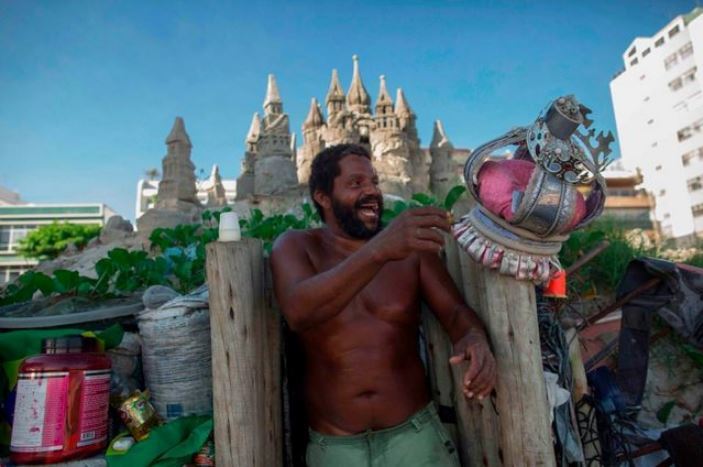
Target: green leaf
x,y
664,412
43,283
424,199
695,354
399,206
85,288
104,267
126,282
120,257
136,256
387,216
307,210
160,265
65,281
27,278
112,336
183,269
453,196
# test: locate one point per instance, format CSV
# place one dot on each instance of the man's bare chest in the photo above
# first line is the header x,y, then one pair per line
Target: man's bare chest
x,y
391,295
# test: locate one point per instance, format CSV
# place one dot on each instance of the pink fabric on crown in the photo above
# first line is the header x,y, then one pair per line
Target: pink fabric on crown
x,y
497,180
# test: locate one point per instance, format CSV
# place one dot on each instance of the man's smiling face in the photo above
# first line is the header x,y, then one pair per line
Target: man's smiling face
x,y
357,202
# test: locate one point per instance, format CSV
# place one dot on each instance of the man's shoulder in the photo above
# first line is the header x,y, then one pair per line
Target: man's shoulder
x,y
297,239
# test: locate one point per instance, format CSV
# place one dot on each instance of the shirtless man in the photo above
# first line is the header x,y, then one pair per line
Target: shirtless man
x,y
352,291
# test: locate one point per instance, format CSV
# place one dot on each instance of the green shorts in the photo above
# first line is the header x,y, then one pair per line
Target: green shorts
x,y
420,441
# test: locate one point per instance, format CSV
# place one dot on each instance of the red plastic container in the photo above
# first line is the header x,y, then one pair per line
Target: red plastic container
x,y
62,402
556,288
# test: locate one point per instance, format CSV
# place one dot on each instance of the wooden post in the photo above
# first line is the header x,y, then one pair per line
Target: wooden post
x,y
245,357
477,421
509,311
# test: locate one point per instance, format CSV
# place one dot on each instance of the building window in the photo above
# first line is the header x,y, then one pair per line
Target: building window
x,y
671,61
10,273
659,42
645,52
632,52
634,61
697,210
5,237
686,51
689,76
686,132
658,168
18,233
696,126
673,31
686,158
694,184
3,274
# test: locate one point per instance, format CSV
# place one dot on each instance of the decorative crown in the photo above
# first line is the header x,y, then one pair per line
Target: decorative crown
x,y
526,206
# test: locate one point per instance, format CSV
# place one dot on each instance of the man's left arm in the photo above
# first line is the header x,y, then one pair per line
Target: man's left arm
x,y
461,323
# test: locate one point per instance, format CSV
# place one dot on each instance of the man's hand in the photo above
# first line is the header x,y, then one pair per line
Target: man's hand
x,y
480,377
413,230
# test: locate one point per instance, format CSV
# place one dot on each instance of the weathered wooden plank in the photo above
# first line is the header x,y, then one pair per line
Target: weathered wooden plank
x,y
246,378
440,374
508,309
273,384
478,423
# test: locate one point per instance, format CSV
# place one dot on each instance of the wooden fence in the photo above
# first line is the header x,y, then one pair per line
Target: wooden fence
x,y
511,429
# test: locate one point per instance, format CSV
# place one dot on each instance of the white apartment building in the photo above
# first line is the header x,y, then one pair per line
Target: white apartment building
x,y
658,105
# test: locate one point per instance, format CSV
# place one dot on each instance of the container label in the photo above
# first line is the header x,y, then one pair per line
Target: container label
x,y
95,398
40,412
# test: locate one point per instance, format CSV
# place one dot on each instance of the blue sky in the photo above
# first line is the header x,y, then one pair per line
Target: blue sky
x,y
89,89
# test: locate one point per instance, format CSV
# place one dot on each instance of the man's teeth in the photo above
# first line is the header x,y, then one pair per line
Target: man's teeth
x,y
368,210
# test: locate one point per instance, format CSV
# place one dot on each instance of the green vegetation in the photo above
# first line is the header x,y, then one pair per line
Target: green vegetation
x,y
422,199
48,241
604,272
178,254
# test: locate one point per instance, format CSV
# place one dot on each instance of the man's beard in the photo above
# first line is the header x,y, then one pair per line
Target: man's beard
x,y
350,222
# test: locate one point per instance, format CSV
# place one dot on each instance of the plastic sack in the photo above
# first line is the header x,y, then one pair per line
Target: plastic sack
x,y
176,355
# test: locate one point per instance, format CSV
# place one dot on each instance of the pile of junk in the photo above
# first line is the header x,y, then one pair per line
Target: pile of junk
x,y
120,382
634,367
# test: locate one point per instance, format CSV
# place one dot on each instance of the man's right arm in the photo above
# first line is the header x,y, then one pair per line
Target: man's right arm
x,y
308,298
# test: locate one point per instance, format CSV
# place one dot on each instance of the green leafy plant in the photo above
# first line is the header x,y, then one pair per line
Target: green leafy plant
x,y
665,411
695,354
268,228
605,270
178,254
420,200
48,241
